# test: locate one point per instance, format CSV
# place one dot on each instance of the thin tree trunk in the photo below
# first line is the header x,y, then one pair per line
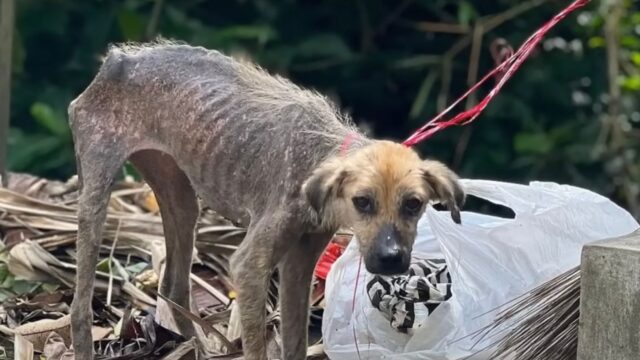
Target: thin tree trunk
x,y
7,9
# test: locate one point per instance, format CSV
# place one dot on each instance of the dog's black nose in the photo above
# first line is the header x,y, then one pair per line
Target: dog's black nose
x,y
391,257
388,256
390,261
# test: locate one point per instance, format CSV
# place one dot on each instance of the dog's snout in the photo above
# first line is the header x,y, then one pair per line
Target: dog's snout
x,y
388,256
391,262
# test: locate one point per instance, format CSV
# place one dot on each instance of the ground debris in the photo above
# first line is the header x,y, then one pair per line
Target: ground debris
x,y
38,224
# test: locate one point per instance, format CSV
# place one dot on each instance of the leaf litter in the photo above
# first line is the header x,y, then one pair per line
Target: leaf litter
x,y
38,223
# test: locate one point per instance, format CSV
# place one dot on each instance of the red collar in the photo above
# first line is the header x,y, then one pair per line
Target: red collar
x,y
348,140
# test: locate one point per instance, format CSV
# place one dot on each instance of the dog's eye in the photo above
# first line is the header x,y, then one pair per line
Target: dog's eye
x,y
412,205
363,204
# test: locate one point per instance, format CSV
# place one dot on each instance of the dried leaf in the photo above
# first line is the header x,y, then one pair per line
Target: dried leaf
x,y
29,261
56,349
150,203
37,332
43,224
188,350
23,348
206,327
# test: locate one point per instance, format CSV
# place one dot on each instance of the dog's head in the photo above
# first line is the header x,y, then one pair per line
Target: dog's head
x,y
380,192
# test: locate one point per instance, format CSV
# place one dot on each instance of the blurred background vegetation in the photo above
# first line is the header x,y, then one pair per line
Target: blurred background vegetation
x,y
571,114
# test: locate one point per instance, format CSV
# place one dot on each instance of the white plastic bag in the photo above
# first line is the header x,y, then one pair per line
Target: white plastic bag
x,y
491,260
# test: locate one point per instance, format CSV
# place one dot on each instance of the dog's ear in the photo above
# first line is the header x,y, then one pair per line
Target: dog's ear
x,y
325,182
442,183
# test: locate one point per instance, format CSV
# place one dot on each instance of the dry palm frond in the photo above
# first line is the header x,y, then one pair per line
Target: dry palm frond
x,y
208,328
40,188
38,221
541,325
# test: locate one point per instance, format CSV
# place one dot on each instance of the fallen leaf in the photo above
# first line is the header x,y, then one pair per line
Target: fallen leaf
x,y
23,348
37,332
188,350
150,203
56,349
99,333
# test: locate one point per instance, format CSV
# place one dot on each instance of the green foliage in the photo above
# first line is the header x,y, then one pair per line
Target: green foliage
x,y
10,287
466,12
375,58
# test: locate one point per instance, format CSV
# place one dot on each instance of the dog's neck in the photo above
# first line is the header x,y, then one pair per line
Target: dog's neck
x,y
350,143
346,144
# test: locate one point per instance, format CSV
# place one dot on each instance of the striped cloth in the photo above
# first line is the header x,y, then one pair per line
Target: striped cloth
x,y
428,283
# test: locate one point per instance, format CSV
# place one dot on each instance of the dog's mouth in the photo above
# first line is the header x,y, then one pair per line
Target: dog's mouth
x,y
388,266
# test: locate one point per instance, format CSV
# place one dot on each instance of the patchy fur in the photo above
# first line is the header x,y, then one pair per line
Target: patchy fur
x,y
258,150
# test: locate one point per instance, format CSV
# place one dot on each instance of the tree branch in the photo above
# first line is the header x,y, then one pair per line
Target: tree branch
x,y
485,24
472,77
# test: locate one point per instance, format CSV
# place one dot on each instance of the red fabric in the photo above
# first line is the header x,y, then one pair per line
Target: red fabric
x,y
333,251
330,255
505,70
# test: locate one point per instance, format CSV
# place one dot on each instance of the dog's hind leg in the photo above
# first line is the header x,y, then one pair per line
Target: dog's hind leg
x,y
296,272
179,210
251,268
97,170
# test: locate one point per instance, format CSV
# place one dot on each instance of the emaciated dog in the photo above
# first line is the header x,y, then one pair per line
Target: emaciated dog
x,y
261,152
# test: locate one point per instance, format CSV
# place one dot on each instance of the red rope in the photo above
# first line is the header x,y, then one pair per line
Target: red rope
x,y
353,307
506,69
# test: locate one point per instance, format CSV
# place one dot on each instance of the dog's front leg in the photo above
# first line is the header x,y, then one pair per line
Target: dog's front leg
x,y
251,268
296,272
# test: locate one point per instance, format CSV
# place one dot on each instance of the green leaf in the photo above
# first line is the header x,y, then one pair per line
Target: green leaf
x,y
136,268
49,120
630,41
129,170
21,287
4,272
7,282
597,21
635,57
466,13
631,83
6,295
13,286
103,265
62,156
532,143
50,287
28,151
132,26
596,42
